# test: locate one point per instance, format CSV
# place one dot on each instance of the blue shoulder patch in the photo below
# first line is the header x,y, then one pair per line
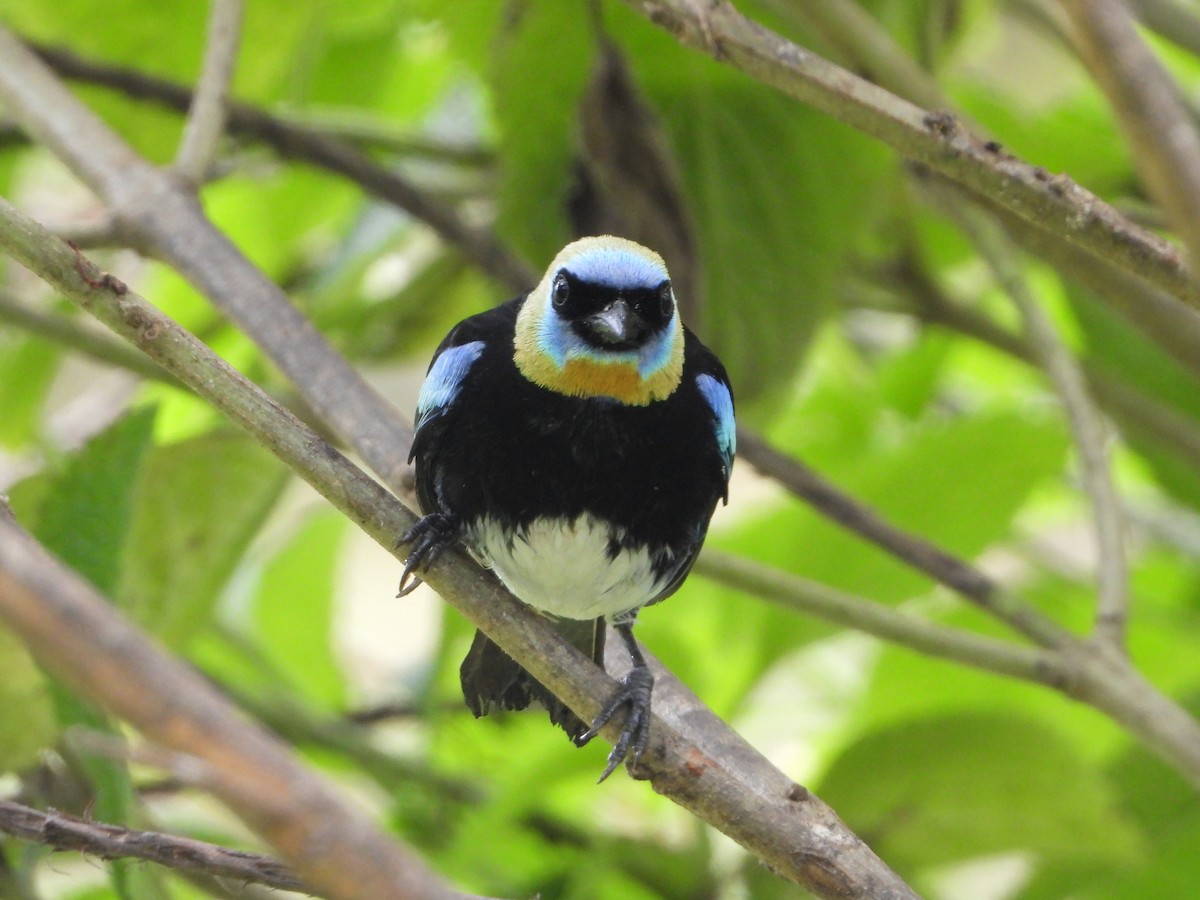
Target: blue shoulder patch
x,y
721,401
445,379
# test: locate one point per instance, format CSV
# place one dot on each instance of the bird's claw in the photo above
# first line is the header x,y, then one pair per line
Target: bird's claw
x,y
429,537
634,693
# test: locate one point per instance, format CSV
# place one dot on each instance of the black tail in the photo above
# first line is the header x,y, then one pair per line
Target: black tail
x,y
491,679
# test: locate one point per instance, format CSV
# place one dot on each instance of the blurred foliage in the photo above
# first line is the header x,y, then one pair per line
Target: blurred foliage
x,y
814,249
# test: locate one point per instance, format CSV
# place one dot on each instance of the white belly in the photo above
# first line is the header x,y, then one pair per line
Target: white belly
x,y
562,567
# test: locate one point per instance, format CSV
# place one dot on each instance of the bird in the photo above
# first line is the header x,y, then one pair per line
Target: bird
x,y
576,440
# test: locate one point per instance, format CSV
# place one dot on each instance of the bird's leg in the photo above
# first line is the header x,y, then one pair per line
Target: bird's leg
x,y
634,693
429,537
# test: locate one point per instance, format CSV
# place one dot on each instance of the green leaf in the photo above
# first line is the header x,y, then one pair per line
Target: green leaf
x,y
939,790
271,218
84,518
27,720
779,193
27,369
535,93
199,503
87,513
293,610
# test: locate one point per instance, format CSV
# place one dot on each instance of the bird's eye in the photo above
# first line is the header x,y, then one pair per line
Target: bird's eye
x,y
558,294
666,300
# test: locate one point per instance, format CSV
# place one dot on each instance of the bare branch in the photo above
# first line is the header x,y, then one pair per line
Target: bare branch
x,y
79,636
1057,205
90,235
734,789
65,832
206,118
851,28
1164,142
849,611
1091,440
88,341
1175,21
1173,326
154,211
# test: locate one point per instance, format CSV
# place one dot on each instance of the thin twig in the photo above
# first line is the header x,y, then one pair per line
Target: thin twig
x,y
1164,142
1091,439
850,27
847,610
364,129
66,832
206,117
88,341
1173,327
92,235
728,784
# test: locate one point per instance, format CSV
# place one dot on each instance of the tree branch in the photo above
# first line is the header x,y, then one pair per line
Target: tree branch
x,y
154,211
840,608
693,757
295,141
87,341
1160,316
1098,677
1173,326
206,117
1164,142
81,637
1175,21
1112,576
65,832
1056,205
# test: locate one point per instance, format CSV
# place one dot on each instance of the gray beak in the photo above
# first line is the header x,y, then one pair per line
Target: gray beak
x,y
617,324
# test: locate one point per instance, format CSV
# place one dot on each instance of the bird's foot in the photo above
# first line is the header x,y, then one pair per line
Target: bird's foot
x,y
634,693
429,537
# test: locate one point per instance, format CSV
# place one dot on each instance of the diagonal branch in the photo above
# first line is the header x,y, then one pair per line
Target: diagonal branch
x,y
154,211
1175,327
955,644
337,850
1164,141
65,832
867,40
87,341
1056,205
206,117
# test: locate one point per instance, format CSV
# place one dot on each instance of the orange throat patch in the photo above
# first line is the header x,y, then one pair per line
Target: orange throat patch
x,y
583,376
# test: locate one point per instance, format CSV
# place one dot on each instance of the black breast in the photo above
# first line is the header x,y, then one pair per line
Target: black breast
x,y
514,451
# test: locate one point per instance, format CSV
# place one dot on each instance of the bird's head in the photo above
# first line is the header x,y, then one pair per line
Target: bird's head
x,y
602,323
